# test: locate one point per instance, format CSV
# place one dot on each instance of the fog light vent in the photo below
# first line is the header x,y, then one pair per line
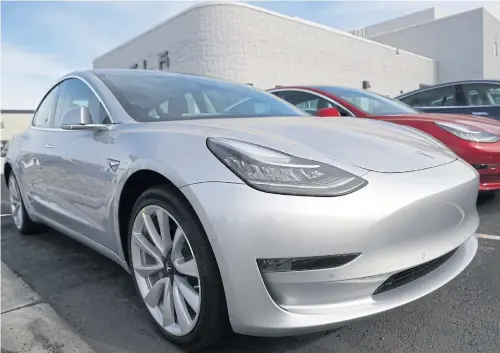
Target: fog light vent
x,y
305,263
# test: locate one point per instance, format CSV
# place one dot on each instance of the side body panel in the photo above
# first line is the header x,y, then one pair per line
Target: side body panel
x,y
79,181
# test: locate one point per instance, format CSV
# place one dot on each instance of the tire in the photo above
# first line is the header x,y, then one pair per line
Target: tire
x,y
22,220
211,323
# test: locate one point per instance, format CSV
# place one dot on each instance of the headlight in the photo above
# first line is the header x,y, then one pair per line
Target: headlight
x,y
276,172
467,132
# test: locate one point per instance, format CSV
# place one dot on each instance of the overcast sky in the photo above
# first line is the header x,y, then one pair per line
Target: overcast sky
x,y
42,41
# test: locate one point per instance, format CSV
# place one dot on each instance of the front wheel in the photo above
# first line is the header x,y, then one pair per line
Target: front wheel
x,y
175,271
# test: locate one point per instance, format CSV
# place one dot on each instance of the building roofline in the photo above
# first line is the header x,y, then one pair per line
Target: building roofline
x,y
426,23
485,10
260,9
433,8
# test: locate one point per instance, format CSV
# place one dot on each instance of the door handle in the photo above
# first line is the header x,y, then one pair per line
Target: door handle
x,y
479,113
47,145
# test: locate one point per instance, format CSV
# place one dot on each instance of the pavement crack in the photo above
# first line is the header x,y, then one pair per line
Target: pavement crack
x,y
23,306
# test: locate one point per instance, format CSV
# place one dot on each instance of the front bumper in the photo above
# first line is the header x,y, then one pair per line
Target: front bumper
x,y
489,176
485,158
396,222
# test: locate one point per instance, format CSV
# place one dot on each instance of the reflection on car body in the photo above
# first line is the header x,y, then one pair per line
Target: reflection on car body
x,y
475,97
475,139
256,217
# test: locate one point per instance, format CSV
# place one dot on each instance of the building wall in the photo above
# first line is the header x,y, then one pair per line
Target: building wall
x,y
455,42
248,44
184,36
395,24
490,55
14,123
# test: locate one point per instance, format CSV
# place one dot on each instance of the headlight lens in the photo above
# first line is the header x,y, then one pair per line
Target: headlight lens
x,y
467,132
276,172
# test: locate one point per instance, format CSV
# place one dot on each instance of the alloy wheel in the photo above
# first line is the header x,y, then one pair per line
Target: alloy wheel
x,y
165,270
16,205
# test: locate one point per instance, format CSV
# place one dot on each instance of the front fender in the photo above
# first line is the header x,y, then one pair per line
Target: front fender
x,y
121,178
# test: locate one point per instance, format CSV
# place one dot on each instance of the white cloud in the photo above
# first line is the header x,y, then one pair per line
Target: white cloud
x,y
82,35
26,75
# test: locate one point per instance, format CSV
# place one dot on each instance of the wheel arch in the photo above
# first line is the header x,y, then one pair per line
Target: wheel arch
x,y
134,185
7,170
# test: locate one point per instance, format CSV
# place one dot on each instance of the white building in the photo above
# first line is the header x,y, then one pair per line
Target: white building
x,y
249,44
14,122
465,45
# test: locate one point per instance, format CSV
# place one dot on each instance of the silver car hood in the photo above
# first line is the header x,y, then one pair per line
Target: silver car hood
x,y
368,144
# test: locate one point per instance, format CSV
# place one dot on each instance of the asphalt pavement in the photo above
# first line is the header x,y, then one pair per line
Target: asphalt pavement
x,y
30,326
98,299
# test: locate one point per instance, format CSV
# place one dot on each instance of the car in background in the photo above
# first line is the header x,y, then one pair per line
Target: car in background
x,y
4,146
233,209
478,97
475,139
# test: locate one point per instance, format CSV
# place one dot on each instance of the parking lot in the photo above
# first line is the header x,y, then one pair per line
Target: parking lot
x,y
97,298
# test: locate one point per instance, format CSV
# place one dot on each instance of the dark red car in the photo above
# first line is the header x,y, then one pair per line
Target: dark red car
x,y
474,139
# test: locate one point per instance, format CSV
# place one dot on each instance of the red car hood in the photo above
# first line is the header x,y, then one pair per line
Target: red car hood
x,y
487,124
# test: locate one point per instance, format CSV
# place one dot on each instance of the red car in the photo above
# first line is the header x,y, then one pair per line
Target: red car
x,y
474,139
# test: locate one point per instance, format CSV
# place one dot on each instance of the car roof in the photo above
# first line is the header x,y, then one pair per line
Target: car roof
x,y
315,87
451,83
86,73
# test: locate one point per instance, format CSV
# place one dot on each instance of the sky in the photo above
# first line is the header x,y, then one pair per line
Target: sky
x,y
43,40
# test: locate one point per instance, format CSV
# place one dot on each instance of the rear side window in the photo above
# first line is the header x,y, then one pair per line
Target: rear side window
x,y
45,111
481,94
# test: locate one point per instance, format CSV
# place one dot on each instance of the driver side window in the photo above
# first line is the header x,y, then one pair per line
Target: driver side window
x,y
437,97
73,94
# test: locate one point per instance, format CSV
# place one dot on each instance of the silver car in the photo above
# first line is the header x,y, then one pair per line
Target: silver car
x,y
235,211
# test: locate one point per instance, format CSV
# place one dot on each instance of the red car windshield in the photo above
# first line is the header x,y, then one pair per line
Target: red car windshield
x,y
369,102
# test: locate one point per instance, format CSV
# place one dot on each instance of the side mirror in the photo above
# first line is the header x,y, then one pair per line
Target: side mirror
x,y
328,112
80,119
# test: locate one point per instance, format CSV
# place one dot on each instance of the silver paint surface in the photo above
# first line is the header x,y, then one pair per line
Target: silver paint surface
x,y
420,203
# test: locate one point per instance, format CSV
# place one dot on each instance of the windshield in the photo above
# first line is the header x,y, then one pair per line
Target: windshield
x,y
369,102
149,96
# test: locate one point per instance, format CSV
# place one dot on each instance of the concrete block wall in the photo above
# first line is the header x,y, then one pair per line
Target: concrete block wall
x,y
412,19
491,46
248,44
455,42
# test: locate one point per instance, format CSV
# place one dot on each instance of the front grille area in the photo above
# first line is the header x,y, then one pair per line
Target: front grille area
x,y
412,274
489,178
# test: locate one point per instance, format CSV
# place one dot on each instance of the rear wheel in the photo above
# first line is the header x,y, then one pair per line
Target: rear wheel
x,y
175,271
22,220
